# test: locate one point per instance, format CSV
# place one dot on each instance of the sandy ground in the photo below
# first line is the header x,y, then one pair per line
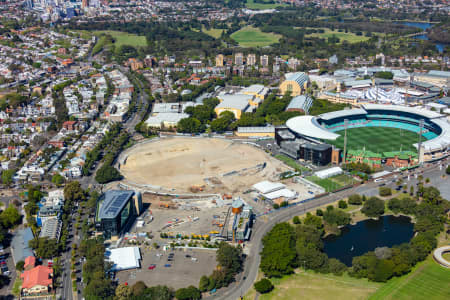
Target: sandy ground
x,y
179,163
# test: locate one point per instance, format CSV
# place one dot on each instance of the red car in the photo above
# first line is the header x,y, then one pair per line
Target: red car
x,y
151,267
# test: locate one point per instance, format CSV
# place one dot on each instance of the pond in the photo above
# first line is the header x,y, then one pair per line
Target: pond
x,y
365,236
424,26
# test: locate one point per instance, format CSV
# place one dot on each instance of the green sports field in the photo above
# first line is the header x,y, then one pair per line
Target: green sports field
x,y
254,37
428,281
377,139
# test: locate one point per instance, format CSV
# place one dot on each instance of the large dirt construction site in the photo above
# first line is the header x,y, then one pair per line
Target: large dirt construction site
x,y
179,164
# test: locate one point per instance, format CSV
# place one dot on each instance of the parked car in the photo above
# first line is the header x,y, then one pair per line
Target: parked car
x,y
151,267
167,265
187,256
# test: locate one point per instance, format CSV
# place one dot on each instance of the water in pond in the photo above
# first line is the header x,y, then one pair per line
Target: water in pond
x,y
424,26
367,235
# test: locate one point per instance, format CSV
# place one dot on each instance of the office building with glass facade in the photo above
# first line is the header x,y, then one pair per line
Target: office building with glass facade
x,y
116,212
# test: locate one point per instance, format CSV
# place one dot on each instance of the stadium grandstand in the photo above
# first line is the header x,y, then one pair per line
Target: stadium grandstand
x,y
376,128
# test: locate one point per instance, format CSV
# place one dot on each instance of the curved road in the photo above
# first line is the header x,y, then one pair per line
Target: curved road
x,y
264,224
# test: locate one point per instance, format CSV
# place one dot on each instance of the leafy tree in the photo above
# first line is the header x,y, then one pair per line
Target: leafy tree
x,y
138,288
336,267
447,170
385,191
4,280
107,174
229,257
394,204
373,207
44,247
73,192
384,75
263,286
355,199
190,125
342,204
296,220
319,212
313,220
123,292
203,284
337,217
189,293
10,217
278,254
19,266
7,177
58,179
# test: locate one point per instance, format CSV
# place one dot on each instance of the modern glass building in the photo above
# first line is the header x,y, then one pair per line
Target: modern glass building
x,y
116,212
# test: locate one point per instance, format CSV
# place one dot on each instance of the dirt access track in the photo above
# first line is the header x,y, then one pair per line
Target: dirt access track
x,y
179,163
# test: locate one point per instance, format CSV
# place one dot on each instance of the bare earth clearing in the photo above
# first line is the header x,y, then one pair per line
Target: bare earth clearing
x,y
180,163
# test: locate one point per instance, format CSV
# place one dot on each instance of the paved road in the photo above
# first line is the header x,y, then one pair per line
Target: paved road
x,y
251,264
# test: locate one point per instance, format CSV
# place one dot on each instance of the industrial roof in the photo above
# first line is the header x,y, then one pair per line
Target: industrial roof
x,y
285,193
308,126
303,102
265,186
237,101
113,203
298,77
254,88
256,129
440,142
19,244
124,258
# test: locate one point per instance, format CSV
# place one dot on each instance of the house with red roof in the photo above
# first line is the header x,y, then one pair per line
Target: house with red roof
x,y
38,280
30,262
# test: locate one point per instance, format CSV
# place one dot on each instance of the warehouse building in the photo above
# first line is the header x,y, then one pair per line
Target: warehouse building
x,y
300,103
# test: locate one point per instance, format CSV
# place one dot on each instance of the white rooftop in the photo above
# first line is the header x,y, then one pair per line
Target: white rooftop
x,y
124,258
308,126
285,193
265,186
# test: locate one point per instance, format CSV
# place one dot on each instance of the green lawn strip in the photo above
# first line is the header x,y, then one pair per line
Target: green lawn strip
x,y
252,5
428,280
311,285
328,184
291,163
343,36
17,286
215,33
253,37
124,38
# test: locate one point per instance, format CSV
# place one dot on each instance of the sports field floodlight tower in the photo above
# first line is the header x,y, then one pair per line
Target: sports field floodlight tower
x,y
420,142
345,140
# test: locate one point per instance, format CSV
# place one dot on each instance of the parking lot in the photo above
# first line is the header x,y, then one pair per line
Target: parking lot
x,y
183,270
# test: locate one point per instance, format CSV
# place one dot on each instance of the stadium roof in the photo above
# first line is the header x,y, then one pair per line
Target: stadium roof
x,y
308,126
420,112
440,142
113,203
124,258
342,113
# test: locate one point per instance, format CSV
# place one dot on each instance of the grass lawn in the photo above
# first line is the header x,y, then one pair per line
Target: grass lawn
x,y
215,33
253,37
349,36
427,281
125,38
17,286
377,139
311,285
291,163
343,179
252,5
328,184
